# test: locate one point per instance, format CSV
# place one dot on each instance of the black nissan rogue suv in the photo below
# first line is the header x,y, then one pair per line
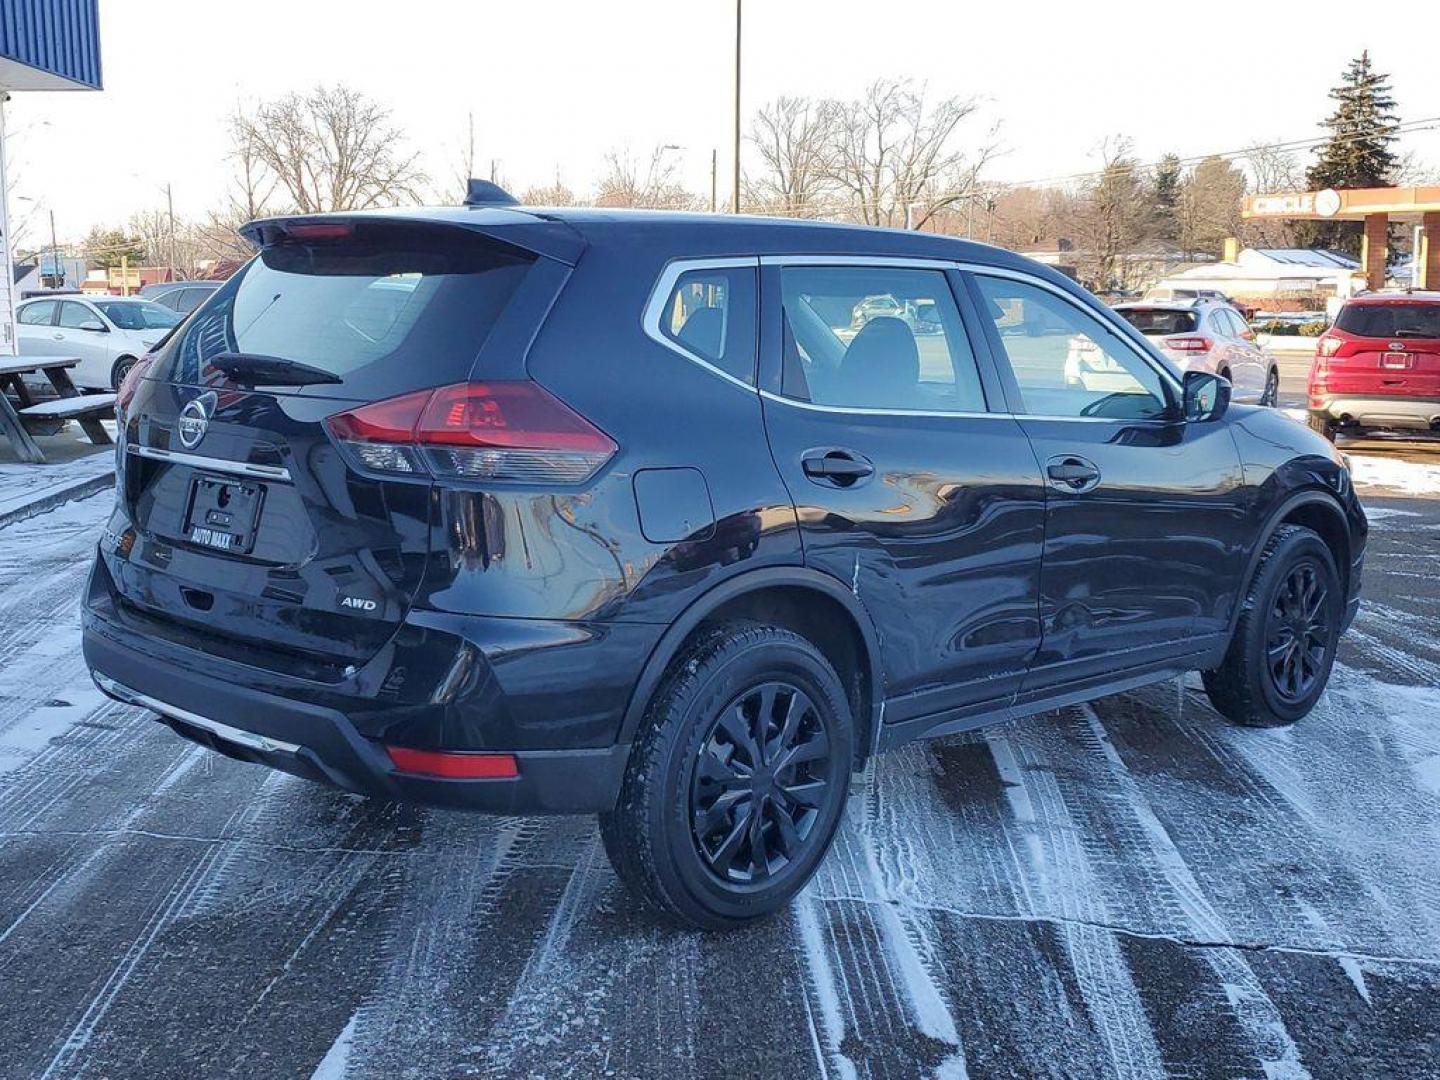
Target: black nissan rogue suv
x,y
680,519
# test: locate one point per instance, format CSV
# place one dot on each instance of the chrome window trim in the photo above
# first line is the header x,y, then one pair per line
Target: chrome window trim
x,y
660,293
235,735
858,410
899,262
200,461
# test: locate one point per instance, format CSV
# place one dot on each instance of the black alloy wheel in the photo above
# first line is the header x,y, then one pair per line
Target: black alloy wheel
x,y
759,783
738,779
1298,633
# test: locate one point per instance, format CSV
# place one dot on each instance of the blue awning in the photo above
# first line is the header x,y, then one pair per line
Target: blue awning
x,y
49,45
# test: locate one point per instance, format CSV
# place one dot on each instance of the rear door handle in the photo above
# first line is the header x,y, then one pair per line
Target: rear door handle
x,y
1072,474
837,466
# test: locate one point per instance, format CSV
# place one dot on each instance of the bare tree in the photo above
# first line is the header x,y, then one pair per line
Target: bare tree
x,y
894,154
793,136
1116,216
331,149
631,182
556,194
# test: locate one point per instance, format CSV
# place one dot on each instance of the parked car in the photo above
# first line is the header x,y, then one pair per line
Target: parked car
x,y
605,512
1209,335
181,296
1179,294
108,334
1378,367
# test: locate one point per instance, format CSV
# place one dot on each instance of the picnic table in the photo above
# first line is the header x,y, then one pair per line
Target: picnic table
x,y
88,409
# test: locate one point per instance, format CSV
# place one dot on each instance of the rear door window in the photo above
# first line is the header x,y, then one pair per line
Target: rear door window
x,y
387,308
40,313
876,337
1390,320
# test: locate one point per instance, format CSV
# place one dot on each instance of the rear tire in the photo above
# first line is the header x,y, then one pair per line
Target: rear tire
x,y
1280,656
120,370
737,781
1271,395
1322,425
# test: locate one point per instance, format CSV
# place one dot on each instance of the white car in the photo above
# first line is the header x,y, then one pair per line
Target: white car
x,y
1206,335
107,333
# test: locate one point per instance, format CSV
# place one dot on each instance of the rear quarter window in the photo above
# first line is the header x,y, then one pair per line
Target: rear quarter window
x,y
390,308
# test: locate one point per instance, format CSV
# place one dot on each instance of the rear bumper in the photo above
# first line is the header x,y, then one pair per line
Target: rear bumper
x,y
1407,413
238,712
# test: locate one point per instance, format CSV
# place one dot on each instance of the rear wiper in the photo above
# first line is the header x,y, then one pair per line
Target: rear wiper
x,y
257,370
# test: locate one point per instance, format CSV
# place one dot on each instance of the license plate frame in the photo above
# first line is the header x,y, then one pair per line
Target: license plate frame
x,y
1395,361
223,514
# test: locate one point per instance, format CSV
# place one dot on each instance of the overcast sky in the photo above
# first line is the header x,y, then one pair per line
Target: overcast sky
x,y
554,85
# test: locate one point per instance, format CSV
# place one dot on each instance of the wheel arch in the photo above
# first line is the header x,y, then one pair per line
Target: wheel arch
x,y
804,600
1316,510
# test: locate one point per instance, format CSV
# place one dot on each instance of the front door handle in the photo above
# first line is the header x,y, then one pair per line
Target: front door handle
x,y
837,466
1072,474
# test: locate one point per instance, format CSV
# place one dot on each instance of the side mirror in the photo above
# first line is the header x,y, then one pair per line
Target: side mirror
x,y
95,325
1205,396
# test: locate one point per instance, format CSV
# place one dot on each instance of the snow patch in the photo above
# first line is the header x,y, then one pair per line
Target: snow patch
x,y
1411,477
337,1059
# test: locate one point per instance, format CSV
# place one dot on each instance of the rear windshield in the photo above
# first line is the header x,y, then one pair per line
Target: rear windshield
x,y
1390,320
1155,321
387,309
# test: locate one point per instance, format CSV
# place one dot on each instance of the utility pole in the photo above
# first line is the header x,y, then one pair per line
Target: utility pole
x,y
714,176
170,202
54,254
735,205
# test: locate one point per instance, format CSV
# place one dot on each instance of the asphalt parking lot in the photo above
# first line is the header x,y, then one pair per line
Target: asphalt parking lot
x,y
1125,889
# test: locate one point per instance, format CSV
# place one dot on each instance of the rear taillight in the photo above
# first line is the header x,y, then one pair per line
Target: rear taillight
x,y
129,384
509,431
1328,345
1188,343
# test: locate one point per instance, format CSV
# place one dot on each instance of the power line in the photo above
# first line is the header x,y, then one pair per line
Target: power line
x,y
1406,128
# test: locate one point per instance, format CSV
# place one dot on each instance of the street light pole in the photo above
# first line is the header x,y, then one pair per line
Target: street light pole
x,y
735,205
54,251
170,203
714,176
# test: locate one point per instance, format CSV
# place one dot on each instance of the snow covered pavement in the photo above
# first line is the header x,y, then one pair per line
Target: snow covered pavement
x,y
1125,889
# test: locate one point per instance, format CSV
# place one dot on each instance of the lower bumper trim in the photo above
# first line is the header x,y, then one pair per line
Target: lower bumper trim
x,y
248,739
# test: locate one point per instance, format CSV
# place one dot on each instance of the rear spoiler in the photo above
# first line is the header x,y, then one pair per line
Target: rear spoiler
x,y
520,228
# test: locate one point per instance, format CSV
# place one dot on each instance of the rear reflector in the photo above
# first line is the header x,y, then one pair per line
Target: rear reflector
x,y
454,766
1187,344
513,431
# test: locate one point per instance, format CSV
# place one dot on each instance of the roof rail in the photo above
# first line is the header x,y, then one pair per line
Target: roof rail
x,y
484,193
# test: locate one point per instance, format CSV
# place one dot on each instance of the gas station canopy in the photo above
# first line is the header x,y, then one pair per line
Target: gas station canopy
x,y
1376,207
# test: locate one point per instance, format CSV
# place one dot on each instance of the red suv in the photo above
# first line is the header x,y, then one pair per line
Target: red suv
x,y
1378,367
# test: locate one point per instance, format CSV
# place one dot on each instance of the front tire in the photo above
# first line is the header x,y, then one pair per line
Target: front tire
x,y
1280,656
737,782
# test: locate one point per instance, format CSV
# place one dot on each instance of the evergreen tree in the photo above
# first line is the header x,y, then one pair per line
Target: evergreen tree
x,y
1358,153
1165,185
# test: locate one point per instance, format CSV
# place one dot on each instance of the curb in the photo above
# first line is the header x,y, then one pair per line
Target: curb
x,y
81,489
